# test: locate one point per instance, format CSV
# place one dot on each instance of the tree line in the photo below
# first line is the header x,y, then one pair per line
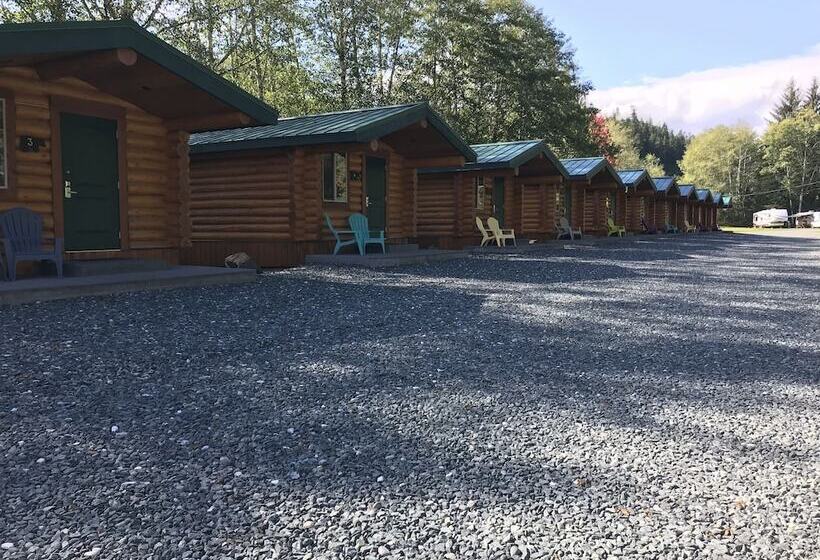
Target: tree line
x,y
778,168
495,69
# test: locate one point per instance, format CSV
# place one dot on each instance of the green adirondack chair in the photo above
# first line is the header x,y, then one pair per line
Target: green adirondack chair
x,y
361,231
337,234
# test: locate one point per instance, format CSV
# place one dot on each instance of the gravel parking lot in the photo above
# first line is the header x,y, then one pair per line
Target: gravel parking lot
x,y
650,398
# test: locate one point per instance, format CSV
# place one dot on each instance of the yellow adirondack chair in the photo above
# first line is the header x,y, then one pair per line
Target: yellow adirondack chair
x,y
485,237
501,235
612,229
689,228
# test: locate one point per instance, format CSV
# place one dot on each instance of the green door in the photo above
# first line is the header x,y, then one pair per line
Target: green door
x,y
376,178
568,203
91,205
498,199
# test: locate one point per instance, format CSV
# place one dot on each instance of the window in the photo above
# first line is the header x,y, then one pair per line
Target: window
x,y
4,175
479,192
610,205
334,177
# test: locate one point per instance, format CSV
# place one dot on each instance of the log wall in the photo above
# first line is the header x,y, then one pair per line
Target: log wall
x,y
269,203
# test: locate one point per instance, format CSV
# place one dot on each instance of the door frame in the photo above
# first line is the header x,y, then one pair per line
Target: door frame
x,y
59,105
386,158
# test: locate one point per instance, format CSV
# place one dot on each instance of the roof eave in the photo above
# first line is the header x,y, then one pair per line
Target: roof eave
x,y
47,38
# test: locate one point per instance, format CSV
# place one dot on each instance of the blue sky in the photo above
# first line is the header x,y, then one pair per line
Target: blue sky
x,y
638,42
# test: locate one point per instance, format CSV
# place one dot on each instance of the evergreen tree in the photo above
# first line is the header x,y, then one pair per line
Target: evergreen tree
x,y
657,140
813,97
789,104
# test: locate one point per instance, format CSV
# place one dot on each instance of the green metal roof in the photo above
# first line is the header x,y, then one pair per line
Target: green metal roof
x,y
504,155
584,169
663,184
633,177
704,195
717,198
31,39
358,125
727,201
687,191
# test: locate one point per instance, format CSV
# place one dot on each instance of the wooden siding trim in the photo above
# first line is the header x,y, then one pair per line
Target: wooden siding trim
x,y
10,190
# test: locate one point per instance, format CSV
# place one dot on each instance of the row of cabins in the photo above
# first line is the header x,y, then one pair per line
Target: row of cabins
x,y
128,148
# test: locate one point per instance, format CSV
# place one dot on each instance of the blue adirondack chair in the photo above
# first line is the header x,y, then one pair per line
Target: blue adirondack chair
x,y
337,234
22,240
361,231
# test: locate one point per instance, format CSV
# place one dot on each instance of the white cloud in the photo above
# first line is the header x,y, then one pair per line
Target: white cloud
x,y
699,100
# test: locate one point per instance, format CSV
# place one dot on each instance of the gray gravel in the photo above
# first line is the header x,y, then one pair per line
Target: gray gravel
x,y
656,399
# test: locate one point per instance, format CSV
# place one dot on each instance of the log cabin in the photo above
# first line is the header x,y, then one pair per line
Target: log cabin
x,y
641,195
597,194
96,118
686,206
718,204
703,209
666,203
266,190
519,183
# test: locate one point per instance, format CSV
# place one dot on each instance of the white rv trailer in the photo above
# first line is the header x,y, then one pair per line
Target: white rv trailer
x,y
810,219
773,217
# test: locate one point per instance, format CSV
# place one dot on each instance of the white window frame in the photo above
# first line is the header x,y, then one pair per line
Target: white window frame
x,y
4,123
339,158
479,190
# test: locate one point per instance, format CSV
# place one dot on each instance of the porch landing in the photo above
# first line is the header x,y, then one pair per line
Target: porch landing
x,y
394,257
50,287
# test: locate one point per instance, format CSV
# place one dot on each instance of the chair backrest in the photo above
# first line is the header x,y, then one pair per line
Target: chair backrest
x,y
359,226
563,224
330,227
23,228
494,226
610,223
480,225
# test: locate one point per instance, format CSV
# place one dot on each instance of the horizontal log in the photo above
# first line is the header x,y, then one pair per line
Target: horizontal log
x,y
210,122
282,196
29,99
243,236
33,112
94,63
235,203
36,168
34,182
146,129
38,129
30,195
63,89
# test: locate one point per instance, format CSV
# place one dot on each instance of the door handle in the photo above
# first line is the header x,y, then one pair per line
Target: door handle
x,y
68,191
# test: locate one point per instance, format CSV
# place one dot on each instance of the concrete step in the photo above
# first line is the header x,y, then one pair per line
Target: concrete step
x,y
403,248
49,288
112,266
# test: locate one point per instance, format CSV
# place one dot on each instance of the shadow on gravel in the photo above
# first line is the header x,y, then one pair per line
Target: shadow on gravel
x,y
519,380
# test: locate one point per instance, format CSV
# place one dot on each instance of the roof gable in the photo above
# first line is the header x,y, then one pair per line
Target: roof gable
x,y
585,169
687,191
633,178
354,126
37,42
504,155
